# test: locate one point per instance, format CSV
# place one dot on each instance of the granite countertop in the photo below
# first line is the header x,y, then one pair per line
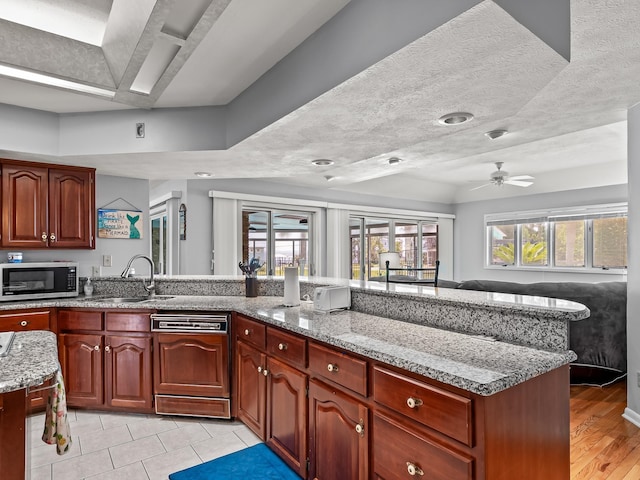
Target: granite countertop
x,y
474,363
33,358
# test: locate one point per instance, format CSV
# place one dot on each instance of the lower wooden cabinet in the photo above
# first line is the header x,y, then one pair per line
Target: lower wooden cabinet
x,y
251,397
338,434
399,452
104,368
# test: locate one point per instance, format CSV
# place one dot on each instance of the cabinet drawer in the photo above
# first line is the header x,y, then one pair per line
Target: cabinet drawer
x,y
79,320
127,322
193,406
443,411
251,331
287,347
339,368
399,453
16,322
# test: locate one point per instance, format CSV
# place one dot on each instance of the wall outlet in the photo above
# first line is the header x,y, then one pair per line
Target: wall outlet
x,y
107,260
95,271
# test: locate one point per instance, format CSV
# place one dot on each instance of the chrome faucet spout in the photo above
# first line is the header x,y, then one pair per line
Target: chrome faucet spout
x,y
151,288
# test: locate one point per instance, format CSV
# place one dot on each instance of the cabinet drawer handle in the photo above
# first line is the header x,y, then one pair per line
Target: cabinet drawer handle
x,y
282,346
24,323
413,469
332,367
413,402
247,331
107,348
265,372
96,348
360,428
44,236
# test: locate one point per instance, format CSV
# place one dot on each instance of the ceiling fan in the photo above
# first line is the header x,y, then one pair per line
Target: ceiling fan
x,y
501,177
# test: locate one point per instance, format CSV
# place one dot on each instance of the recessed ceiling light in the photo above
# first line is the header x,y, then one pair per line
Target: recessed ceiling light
x,y
394,161
493,134
203,174
455,118
322,162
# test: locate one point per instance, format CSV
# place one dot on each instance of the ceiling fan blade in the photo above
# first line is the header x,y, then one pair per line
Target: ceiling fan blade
x,y
481,186
518,183
522,177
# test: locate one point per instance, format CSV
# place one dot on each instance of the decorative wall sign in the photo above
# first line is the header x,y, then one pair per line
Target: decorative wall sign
x,y
114,223
183,221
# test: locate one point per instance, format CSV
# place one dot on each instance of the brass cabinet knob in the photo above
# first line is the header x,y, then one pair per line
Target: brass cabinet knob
x,y
96,348
44,236
413,469
413,402
259,369
360,428
247,331
282,346
332,367
107,348
24,323
52,237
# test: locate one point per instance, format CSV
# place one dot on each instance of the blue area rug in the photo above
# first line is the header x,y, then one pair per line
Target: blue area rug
x,y
257,462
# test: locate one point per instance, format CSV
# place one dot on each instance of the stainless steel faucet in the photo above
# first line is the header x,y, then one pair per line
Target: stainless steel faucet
x,y
151,288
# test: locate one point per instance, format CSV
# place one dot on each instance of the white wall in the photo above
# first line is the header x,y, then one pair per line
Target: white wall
x,y
633,281
469,233
108,189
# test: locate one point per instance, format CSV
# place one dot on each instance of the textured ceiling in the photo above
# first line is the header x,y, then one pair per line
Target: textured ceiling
x,y
567,119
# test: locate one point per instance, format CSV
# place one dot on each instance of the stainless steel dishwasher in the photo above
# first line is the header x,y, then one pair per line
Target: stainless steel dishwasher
x,y
191,364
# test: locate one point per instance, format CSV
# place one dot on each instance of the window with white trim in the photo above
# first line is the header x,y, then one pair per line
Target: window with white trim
x,y
590,239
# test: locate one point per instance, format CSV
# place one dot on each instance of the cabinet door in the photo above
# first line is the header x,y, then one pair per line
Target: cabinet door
x,y
71,207
24,207
81,361
192,364
287,414
338,435
252,388
128,380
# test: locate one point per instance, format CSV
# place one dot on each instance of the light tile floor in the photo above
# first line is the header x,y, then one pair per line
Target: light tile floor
x,y
131,446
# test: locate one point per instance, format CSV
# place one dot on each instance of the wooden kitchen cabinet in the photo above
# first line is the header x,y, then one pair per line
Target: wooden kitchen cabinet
x,y
106,359
47,206
271,392
338,434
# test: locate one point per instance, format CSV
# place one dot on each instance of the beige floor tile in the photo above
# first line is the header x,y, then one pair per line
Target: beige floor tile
x,y
135,471
222,426
42,454
159,467
40,473
247,436
101,439
110,420
83,466
151,426
184,436
218,446
136,450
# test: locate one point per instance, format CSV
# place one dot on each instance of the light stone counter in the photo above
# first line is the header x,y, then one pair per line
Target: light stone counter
x,y
483,343
33,358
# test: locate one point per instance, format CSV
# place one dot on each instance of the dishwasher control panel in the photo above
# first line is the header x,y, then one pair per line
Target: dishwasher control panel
x,y
201,323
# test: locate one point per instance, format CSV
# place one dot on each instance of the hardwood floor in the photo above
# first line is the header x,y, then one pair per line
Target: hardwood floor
x,y
603,444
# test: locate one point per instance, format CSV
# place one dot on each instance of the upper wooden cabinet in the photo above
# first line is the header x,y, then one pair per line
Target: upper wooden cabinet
x,y
47,206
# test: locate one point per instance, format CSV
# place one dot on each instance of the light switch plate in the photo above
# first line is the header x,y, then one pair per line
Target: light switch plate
x,y
95,271
107,260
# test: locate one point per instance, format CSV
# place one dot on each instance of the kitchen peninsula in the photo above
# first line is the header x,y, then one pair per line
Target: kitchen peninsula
x,y
32,359
469,384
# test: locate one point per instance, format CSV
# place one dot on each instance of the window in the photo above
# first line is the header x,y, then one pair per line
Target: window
x,y
416,242
159,242
277,238
582,239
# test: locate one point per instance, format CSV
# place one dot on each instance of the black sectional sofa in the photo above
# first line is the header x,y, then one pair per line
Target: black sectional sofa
x,y
600,341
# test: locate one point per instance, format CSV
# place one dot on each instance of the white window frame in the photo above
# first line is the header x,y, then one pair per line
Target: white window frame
x,y
168,205
587,213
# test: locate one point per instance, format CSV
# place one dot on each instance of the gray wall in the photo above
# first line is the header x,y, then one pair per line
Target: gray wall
x,y
469,231
108,189
633,281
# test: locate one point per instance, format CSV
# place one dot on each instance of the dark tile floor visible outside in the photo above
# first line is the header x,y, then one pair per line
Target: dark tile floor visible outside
x,y
136,447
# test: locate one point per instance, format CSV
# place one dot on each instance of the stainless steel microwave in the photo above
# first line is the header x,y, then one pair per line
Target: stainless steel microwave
x,y
32,281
